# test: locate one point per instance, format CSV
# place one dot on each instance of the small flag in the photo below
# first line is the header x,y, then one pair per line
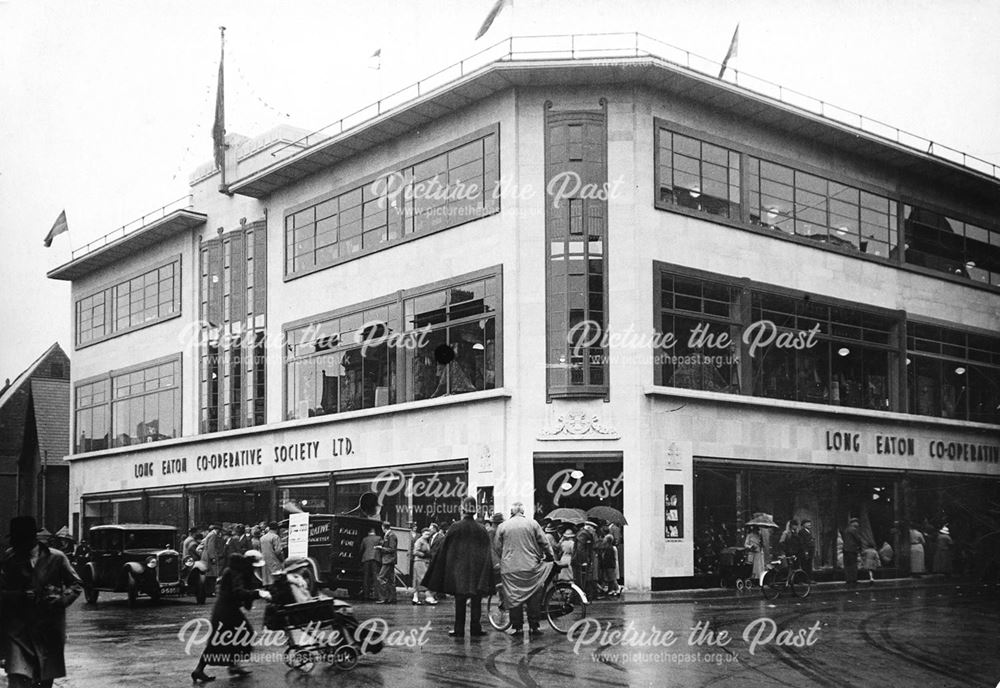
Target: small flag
x,y
494,12
375,60
734,46
60,227
219,126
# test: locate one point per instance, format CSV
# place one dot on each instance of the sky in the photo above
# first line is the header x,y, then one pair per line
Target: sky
x,y
106,106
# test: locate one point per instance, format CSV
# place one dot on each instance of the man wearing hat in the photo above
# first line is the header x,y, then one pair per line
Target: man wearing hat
x,y
387,557
852,546
584,557
463,568
213,555
36,586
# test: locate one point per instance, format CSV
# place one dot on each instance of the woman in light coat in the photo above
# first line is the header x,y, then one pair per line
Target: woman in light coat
x,y
421,559
755,544
916,552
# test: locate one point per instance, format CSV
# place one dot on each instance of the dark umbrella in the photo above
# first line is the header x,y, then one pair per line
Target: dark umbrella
x,y
566,514
607,513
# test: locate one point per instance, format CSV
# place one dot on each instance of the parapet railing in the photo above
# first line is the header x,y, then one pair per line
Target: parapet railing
x,y
633,45
182,203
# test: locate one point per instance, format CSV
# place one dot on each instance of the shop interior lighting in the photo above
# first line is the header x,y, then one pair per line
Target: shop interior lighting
x,y
843,351
576,475
959,370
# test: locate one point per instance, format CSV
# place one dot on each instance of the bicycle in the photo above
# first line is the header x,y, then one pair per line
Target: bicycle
x,y
772,582
563,604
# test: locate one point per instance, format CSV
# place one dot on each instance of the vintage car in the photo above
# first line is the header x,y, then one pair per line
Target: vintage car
x,y
138,559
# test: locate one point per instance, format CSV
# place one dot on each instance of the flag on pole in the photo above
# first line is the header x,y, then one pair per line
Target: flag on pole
x,y
219,126
494,12
375,60
734,46
60,227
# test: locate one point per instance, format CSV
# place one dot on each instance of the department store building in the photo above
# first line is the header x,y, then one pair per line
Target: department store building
x,y
561,280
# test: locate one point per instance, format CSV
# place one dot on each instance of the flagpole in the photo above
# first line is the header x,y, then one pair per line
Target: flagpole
x,y
219,130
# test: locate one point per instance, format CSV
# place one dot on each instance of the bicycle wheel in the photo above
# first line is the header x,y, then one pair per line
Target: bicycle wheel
x,y
496,611
563,606
771,585
800,584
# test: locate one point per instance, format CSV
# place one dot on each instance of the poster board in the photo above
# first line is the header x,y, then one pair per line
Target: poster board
x,y
298,535
673,512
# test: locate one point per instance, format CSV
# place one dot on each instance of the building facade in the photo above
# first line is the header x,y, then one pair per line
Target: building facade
x,y
566,282
34,441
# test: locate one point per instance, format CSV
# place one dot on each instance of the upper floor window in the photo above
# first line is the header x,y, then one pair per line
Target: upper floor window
x,y
732,336
953,373
697,175
141,404
438,191
821,210
949,245
137,302
417,344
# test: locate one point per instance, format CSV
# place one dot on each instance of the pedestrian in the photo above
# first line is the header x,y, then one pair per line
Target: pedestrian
x,y
885,553
807,546
270,548
564,553
609,565
232,633
212,555
255,534
36,585
463,568
437,538
583,559
755,545
421,560
916,551
619,535
523,549
870,561
942,553
387,558
370,563
189,547
852,548
788,543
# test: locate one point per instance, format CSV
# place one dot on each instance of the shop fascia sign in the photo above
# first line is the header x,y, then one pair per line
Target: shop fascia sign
x,y
237,461
846,441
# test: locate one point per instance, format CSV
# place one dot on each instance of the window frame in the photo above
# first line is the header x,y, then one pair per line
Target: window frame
x,y
397,297
110,300
743,222
109,377
403,168
748,287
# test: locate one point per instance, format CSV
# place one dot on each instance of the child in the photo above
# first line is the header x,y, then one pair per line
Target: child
x,y
870,562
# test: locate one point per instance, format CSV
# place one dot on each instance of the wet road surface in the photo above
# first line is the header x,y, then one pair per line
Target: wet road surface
x,y
934,637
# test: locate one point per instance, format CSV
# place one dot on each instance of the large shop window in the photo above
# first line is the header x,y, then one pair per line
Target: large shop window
x,y
742,338
143,300
423,494
443,190
233,304
576,251
130,407
697,175
443,338
953,374
949,245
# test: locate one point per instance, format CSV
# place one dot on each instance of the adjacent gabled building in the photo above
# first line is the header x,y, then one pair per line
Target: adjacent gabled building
x,y
563,280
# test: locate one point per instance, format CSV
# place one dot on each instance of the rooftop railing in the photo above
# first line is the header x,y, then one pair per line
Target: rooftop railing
x,y
637,45
183,203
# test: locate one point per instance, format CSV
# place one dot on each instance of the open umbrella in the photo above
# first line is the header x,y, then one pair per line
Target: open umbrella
x,y
607,513
567,514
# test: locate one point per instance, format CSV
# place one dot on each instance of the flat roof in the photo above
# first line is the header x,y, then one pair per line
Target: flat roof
x,y
111,250
618,59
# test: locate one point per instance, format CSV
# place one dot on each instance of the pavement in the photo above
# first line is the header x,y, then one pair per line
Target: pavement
x,y
930,633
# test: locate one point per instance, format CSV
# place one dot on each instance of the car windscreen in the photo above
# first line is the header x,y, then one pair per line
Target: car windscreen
x,y
149,539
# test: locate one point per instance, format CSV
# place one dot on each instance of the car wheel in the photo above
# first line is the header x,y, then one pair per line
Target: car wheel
x,y
89,593
200,589
133,591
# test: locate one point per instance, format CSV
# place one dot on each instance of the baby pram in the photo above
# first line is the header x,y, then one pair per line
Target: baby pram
x,y
319,629
734,569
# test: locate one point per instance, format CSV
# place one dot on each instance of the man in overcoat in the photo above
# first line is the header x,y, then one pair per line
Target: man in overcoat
x,y
463,568
852,546
522,549
270,549
213,554
36,586
387,557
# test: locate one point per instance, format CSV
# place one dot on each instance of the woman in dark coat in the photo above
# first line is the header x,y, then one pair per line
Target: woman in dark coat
x,y
232,634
